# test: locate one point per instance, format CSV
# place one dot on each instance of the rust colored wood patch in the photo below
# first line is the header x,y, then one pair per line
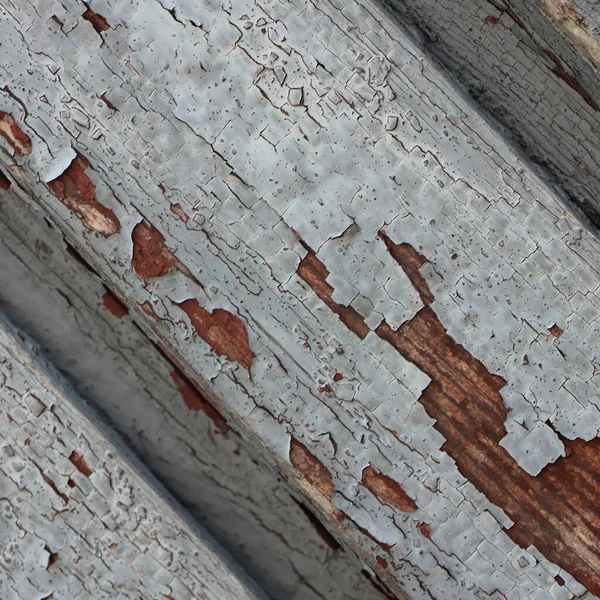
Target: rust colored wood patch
x,y
314,272
114,305
75,189
424,529
557,511
14,135
223,331
178,210
312,468
410,261
80,464
555,331
387,490
98,22
195,401
151,256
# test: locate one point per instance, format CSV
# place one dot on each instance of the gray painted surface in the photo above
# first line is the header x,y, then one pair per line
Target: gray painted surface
x,y
324,120
536,76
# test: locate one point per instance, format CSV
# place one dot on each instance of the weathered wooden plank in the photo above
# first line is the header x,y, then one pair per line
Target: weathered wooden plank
x,y
47,292
230,145
81,518
534,66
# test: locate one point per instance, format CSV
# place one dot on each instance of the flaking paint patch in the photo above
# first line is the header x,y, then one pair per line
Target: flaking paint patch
x,y
75,189
14,135
464,398
417,234
387,490
410,261
312,468
195,401
151,256
314,272
465,401
223,331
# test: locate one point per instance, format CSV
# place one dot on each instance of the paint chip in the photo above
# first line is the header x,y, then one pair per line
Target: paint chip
x,y
75,189
222,330
387,490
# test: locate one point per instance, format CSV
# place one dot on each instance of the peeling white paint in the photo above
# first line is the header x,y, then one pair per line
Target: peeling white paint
x,y
199,114
60,162
95,529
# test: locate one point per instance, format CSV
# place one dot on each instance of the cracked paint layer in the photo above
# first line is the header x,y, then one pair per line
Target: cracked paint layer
x,y
379,141
533,66
79,514
75,189
262,524
465,401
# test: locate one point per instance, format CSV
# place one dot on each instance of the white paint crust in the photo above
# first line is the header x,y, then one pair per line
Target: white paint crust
x,y
208,107
244,504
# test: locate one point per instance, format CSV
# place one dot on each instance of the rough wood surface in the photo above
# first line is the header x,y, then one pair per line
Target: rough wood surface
x,y
534,65
79,520
418,308
86,332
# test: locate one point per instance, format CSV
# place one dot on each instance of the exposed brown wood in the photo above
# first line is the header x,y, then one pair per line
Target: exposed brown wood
x,y
555,511
76,190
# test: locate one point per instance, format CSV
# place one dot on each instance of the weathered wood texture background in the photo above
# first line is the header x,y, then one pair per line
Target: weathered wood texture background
x,y
369,283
